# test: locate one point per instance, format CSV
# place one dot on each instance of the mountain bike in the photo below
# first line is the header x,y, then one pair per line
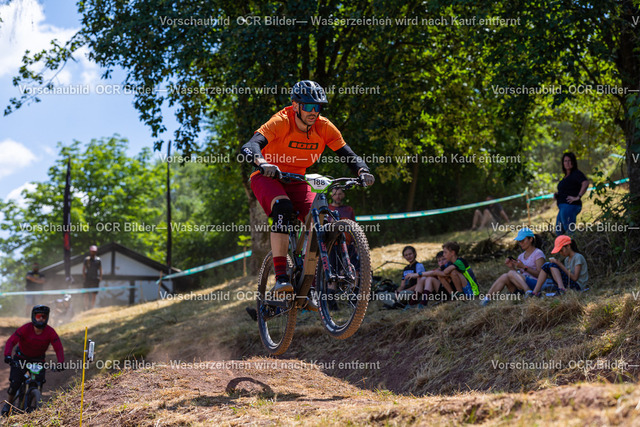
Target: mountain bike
x,y
328,260
29,395
62,309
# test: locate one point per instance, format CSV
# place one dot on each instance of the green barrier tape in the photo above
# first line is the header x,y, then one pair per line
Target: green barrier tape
x,y
195,270
67,291
550,196
430,212
363,218
546,196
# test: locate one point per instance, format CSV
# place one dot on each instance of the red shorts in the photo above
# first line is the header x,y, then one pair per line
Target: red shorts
x,y
266,189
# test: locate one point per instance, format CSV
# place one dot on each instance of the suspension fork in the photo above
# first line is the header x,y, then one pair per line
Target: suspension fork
x,y
346,259
322,245
306,246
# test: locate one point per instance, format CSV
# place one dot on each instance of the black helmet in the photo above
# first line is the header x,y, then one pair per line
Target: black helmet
x,y
308,92
40,316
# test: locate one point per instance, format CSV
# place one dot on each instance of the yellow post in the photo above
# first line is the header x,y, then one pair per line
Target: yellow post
x,y
244,262
84,358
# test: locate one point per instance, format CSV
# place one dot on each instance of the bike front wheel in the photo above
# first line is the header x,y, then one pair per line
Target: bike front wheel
x,y
33,400
343,298
276,313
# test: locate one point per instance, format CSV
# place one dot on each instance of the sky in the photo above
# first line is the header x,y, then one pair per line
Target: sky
x,y
29,137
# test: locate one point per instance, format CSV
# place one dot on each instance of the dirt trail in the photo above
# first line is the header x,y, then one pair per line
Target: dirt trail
x,y
267,392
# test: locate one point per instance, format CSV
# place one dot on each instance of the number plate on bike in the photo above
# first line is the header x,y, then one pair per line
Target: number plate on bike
x,y
318,182
35,368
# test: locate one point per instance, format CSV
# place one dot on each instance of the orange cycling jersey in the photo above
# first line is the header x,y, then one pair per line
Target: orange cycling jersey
x,y
293,150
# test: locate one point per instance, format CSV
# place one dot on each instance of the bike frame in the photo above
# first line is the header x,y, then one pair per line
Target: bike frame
x,y
311,241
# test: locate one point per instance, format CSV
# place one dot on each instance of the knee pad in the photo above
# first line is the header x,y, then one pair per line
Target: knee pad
x,y
282,214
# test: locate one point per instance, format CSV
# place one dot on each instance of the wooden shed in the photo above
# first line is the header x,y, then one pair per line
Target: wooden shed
x,y
121,267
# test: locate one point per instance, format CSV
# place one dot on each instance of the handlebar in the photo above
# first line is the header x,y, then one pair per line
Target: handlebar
x,y
344,183
348,183
287,176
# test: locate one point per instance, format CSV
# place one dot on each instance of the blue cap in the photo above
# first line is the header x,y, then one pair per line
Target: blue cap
x,y
525,232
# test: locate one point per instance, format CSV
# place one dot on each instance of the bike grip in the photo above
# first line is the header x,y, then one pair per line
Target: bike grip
x,y
261,169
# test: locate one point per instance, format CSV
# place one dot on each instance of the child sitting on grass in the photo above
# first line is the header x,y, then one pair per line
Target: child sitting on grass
x,y
573,273
459,272
429,284
410,275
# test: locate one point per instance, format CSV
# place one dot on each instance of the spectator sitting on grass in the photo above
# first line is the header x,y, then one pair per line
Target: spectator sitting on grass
x,y
459,272
523,272
411,272
573,273
429,282
492,214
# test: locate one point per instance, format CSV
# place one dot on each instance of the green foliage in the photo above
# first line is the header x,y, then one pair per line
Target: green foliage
x,y
615,208
570,46
209,212
431,90
244,241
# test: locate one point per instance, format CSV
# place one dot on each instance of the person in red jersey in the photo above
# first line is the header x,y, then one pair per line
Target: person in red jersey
x,y
32,340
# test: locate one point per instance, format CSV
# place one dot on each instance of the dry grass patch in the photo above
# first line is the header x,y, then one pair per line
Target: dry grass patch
x,y
276,393
454,350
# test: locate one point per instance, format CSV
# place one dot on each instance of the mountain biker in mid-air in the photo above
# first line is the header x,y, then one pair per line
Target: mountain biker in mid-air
x,y
291,141
33,340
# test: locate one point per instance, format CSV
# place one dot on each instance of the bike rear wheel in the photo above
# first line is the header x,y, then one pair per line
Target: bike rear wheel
x,y
276,313
344,301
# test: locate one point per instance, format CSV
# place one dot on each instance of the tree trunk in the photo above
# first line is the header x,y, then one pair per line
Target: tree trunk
x,y
412,189
260,244
628,66
633,157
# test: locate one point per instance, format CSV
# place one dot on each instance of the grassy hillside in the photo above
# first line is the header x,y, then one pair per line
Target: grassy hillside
x,y
281,394
469,363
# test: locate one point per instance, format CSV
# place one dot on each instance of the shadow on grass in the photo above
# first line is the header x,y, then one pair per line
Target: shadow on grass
x,y
255,388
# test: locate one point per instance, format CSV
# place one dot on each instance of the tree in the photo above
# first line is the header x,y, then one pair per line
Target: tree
x,y
113,197
434,82
580,44
215,69
209,211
